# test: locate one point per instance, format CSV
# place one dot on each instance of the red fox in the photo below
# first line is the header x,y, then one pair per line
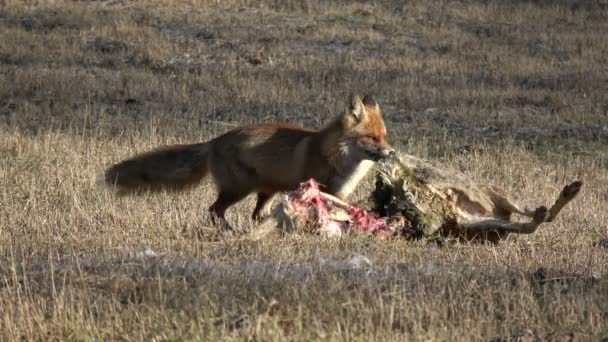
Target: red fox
x,y
265,159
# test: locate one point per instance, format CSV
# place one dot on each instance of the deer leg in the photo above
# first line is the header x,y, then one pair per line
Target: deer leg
x,y
568,193
508,205
485,225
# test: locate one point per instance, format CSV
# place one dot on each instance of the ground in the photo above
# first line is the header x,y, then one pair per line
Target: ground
x,y
513,93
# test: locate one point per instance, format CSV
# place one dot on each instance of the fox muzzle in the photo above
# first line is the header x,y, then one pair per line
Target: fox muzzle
x,y
381,154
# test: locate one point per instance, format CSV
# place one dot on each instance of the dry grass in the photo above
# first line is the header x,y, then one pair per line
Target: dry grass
x,y
513,93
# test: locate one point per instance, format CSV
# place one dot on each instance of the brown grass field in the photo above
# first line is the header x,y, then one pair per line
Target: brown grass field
x,y
513,93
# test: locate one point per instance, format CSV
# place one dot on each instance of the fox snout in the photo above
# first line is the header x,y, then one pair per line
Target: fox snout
x,y
368,130
378,154
387,154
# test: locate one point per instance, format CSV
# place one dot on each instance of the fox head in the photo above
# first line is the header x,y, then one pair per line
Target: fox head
x,y
365,130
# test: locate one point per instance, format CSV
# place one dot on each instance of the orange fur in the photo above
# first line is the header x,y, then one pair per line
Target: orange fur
x,y
266,159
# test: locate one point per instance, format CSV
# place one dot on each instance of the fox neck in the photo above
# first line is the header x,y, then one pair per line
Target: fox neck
x,y
332,146
349,165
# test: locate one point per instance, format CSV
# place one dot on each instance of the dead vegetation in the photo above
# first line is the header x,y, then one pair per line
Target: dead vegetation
x,y
512,93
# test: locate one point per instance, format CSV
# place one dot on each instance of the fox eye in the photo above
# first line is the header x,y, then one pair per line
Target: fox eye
x,y
374,138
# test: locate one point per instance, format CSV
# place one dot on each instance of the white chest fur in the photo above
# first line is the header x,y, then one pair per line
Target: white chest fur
x,y
343,185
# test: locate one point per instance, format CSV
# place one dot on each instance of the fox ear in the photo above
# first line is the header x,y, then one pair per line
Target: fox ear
x,y
357,109
369,102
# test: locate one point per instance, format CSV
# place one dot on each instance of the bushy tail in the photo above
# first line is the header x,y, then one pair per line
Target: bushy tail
x,y
175,167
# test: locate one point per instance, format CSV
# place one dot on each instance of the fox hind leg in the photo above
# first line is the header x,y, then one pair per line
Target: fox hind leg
x,y
234,181
218,209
